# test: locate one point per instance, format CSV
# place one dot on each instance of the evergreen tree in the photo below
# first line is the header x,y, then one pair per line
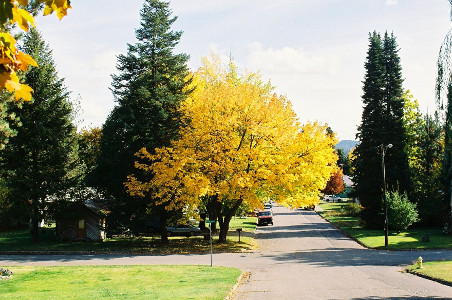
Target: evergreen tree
x,y
148,90
41,160
343,161
6,118
398,171
447,158
427,173
382,124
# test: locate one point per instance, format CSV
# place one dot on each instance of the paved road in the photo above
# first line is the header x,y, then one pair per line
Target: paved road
x,y
304,257
300,257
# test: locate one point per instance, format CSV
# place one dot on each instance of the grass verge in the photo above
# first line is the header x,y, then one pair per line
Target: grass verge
x,y
20,241
119,282
436,270
337,213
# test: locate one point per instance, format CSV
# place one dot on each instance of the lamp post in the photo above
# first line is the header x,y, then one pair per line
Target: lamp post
x,y
383,152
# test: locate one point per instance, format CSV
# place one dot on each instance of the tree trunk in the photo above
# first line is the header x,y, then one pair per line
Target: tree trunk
x,y
35,222
164,231
224,222
202,221
213,207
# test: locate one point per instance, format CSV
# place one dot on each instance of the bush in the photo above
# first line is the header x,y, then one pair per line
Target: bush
x,y
401,212
353,209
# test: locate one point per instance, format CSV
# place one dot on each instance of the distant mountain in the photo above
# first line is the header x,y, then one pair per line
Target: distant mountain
x,y
346,145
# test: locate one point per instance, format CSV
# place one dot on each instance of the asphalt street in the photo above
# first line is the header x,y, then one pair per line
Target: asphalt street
x,y
300,257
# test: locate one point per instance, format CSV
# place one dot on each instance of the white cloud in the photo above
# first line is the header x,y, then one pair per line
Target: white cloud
x,y
289,60
391,2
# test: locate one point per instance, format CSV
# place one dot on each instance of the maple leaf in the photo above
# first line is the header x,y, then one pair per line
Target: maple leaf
x,y
11,83
21,91
24,60
60,6
23,18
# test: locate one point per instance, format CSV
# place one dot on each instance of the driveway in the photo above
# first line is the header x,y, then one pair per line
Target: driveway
x,y
300,257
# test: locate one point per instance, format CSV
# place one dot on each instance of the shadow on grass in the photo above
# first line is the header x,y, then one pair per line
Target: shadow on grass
x,y
20,242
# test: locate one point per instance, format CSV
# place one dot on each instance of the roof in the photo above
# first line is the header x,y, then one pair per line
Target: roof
x,y
347,181
96,206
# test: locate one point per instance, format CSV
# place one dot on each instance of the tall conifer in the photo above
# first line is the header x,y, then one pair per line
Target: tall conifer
x,y
381,124
41,160
148,90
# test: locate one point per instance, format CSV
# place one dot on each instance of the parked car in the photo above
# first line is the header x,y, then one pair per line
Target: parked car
x,y
332,198
264,217
183,229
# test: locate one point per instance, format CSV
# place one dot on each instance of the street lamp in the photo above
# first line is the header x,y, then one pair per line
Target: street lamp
x,y
383,152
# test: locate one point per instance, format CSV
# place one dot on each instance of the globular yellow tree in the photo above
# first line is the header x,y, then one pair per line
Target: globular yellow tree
x,y
14,12
240,140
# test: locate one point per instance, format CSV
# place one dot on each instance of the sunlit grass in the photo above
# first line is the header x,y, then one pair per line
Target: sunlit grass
x,y
409,239
441,270
119,282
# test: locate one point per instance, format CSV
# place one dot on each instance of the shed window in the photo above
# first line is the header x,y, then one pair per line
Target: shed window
x,y
81,224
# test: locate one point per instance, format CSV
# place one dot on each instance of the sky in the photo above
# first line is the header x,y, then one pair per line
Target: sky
x,y
313,51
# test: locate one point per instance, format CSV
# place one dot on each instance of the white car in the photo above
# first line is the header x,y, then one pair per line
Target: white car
x,y
332,198
183,229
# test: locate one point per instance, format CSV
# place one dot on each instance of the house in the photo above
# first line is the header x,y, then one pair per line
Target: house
x,y
82,221
348,184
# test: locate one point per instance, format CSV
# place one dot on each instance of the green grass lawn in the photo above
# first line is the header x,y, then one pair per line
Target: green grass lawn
x,y
440,270
21,241
409,239
119,282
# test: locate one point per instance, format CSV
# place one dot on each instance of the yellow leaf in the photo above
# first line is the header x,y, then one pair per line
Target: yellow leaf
x,y
23,18
22,91
60,6
24,60
4,76
5,61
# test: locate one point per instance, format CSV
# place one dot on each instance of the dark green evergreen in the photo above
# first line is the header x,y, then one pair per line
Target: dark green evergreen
x,y
343,161
427,173
444,101
447,158
381,124
148,90
41,160
6,118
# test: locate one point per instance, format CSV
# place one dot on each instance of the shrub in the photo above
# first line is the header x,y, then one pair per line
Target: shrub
x,y
401,212
353,209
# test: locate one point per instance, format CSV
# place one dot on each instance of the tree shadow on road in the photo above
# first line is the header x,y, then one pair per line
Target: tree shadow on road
x,y
399,298
349,257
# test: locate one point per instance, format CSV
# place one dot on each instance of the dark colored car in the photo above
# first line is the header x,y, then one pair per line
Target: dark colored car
x,y
183,229
264,217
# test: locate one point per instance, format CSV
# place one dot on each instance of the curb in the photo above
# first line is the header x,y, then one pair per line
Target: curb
x,y
244,276
377,249
413,272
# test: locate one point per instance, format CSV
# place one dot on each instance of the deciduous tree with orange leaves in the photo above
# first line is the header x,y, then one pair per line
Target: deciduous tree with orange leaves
x,y
240,140
335,185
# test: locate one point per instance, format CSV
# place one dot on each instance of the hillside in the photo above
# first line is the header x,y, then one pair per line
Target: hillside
x,y
346,145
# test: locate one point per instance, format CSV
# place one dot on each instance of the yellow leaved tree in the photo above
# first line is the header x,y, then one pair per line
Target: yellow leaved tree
x,y
14,12
240,140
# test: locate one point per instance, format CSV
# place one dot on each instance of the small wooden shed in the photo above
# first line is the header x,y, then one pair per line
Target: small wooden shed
x,y
83,221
